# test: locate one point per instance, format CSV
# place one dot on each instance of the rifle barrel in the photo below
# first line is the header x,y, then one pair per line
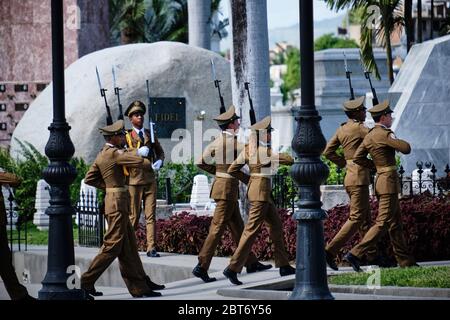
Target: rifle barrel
x,y
252,111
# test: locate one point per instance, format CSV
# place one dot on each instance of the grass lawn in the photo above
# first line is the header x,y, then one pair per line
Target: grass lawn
x,y
430,277
36,236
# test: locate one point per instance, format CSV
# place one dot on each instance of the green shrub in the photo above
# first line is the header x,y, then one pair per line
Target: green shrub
x,y
29,166
82,168
181,177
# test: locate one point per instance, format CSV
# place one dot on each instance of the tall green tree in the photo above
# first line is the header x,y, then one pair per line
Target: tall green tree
x,y
291,80
149,20
329,40
379,20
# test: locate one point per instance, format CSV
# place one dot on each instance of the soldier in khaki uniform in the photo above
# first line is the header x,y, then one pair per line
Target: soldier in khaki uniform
x,y
119,241
357,179
216,160
261,160
142,182
381,144
15,290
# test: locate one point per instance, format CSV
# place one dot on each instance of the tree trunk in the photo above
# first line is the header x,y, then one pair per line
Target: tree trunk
x,y
250,63
129,35
199,15
419,21
387,35
408,24
250,57
432,19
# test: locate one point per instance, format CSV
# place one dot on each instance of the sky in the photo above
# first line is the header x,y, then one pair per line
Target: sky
x,y
285,13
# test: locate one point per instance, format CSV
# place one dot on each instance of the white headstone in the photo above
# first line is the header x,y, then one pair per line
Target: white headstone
x,y
425,183
87,191
41,220
200,192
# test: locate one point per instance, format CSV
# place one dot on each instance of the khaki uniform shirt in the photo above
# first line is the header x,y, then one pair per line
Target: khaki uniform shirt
x,y
138,176
107,171
216,159
263,164
381,144
350,135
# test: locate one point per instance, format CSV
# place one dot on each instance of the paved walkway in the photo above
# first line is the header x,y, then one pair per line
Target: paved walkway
x,y
191,288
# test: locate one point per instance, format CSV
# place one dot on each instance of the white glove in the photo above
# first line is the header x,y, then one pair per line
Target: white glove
x,y
143,151
157,165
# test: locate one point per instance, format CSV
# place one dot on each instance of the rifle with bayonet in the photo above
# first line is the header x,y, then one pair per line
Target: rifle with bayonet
x,y
252,111
117,93
217,85
374,93
150,123
349,77
109,120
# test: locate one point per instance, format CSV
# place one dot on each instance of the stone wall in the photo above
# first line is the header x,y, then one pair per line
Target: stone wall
x,y
25,50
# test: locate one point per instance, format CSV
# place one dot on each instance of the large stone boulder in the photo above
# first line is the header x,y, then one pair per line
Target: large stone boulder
x,y
422,115
173,69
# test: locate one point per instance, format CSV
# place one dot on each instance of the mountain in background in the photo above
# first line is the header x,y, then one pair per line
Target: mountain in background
x,y
291,34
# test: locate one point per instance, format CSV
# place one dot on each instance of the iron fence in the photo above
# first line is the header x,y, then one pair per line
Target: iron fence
x,y
283,191
426,178
91,220
21,227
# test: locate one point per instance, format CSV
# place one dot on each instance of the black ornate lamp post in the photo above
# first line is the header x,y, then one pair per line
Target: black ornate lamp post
x,y
59,174
309,173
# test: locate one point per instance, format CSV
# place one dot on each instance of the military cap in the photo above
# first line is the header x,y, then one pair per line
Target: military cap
x,y
227,117
381,109
355,105
264,124
114,129
136,106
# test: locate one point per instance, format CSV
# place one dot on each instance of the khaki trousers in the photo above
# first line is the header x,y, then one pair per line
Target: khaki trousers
x,y
226,214
388,219
359,220
119,242
146,195
15,290
260,211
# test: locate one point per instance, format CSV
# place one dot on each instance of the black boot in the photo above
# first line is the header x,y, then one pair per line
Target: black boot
x,y
201,273
286,270
147,294
152,285
258,266
330,261
354,261
93,292
232,276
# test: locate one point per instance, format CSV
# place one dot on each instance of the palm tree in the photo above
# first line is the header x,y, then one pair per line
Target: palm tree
x,y
250,57
166,20
391,20
199,23
249,63
129,19
408,24
148,20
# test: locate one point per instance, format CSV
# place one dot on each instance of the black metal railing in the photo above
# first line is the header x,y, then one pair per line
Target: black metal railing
x,y
426,178
283,191
91,220
21,234
165,192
